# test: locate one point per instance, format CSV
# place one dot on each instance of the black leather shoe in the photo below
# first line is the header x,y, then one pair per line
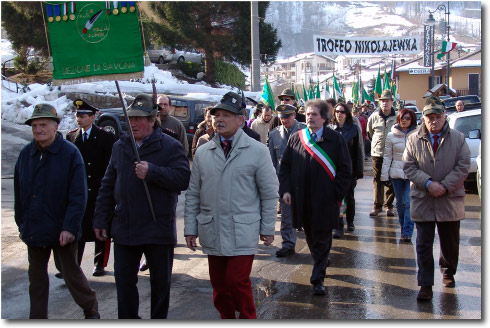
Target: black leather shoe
x,y
338,233
351,227
319,290
448,281
425,293
98,272
59,275
143,266
283,252
92,315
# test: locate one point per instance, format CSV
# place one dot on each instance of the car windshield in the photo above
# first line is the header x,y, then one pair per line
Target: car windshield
x,y
468,123
179,109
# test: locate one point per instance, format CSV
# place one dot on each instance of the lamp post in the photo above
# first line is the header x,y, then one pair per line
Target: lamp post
x,y
431,21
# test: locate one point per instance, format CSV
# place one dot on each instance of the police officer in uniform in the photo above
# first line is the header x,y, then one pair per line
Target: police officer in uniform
x,y
95,145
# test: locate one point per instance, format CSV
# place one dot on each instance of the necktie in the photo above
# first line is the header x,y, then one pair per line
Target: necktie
x,y
226,145
85,136
435,145
313,136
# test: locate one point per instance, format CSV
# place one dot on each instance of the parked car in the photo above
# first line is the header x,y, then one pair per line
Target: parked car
x,y
450,103
478,171
189,111
467,122
164,55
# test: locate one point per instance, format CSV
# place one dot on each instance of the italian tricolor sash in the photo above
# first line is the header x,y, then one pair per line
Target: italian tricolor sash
x,y
317,153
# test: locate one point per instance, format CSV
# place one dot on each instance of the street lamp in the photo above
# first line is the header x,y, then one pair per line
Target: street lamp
x,y
431,21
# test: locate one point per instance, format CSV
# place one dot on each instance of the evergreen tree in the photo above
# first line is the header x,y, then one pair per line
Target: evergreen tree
x,y
221,30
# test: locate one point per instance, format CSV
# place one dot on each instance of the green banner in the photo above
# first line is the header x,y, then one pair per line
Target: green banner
x,y
94,39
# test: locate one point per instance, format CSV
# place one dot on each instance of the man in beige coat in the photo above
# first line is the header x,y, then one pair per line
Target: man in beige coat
x,y
437,161
230,202
262,124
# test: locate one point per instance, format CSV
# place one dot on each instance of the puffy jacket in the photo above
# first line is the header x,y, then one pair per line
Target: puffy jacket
x,y
395,144
50,191
123,193
231,201
377,129
448,166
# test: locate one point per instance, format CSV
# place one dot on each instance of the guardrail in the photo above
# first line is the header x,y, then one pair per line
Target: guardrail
x,y
10,85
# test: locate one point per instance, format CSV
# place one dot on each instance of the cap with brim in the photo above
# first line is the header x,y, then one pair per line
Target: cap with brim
x,y
142,106
287,93
83,107
43,111
386,95
285,110
230,102
433,106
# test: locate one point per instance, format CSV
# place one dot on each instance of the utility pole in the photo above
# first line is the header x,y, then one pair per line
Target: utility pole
x,y
255,69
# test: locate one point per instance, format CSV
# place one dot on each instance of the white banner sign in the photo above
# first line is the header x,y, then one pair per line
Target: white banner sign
x,y
419,71
325,45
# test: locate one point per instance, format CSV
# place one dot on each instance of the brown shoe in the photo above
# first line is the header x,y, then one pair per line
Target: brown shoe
x,y
425,293
375,212
448,281
389,212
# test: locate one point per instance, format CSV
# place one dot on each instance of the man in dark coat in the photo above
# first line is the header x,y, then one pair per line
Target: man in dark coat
x,y
50,193
135,229
95,145
315,174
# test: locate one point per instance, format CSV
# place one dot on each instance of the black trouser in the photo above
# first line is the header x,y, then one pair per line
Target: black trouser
x,y
350,211
379,187
65,260
319,242
449,242
99,253
126,266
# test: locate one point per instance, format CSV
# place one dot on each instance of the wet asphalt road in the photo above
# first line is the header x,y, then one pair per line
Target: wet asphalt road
x,y
372,276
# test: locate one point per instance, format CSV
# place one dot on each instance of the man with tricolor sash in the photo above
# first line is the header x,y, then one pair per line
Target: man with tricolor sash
x,y
314,177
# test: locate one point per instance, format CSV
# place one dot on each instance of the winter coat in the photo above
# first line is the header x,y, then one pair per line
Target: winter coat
x,y
231,201
176,127
278,141
50,191
449,166
262,128
123,193
353,138
326,194
377,129
395,144
201,130
96,152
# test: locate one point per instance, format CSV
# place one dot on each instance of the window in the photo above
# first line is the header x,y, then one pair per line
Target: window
x,y
179,109
468,123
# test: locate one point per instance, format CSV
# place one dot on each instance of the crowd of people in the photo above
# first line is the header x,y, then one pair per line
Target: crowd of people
x,y
303,163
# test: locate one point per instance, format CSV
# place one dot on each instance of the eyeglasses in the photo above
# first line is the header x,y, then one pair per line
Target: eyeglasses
x,y
406,118
287,99
340,111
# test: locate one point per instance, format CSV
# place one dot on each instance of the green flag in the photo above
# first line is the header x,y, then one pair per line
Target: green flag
x,y
87,43
305,95
366,96
377,85
310,93
317,93
267,97
387,81
336,87
355,92
297,96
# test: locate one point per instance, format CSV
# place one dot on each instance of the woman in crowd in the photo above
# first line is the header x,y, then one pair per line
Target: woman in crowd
x,y
343,123
396,140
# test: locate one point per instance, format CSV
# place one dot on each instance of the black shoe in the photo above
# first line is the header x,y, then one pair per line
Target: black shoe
x,y
448,281
59,275
143,266
425,293
283,252
338,233
92,315
318,289
351,227
98,272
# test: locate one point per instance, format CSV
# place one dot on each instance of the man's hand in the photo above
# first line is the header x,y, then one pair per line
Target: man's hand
x,y
191,241
141,169
286,198
100,234
267,239
66,237
436,189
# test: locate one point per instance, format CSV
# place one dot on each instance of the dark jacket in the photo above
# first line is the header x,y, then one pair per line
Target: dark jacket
x,y
201,130
297,165
251,133
350,132
50,192
96,152
168,174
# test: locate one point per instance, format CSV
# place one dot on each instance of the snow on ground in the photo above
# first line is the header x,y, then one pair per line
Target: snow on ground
x,y
17,108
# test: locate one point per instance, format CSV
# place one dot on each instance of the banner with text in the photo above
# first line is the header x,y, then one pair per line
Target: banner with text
x,y
91,40
325,45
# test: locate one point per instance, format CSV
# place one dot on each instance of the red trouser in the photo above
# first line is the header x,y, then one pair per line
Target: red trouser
x,y
232,288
